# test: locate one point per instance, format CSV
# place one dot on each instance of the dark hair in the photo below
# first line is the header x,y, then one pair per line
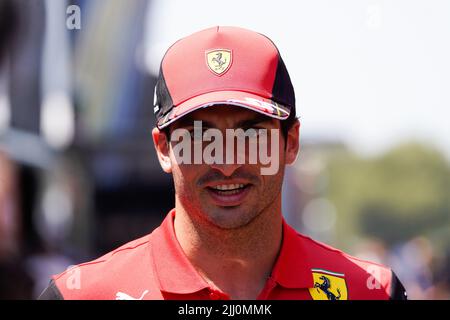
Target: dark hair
x,y
288,123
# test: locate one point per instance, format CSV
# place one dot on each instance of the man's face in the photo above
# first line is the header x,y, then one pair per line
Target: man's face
x,y
228,195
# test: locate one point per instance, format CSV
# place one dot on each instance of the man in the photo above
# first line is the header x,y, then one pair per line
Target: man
x,y
226,237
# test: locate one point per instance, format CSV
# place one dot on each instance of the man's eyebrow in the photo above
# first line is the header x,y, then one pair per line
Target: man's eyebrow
x,y
251,122
189,122
246,123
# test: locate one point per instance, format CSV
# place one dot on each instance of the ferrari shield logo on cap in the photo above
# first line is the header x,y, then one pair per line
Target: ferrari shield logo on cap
x,y
328,285
219,60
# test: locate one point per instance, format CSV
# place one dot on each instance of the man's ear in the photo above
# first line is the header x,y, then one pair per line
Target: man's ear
x,y
162,149
293,143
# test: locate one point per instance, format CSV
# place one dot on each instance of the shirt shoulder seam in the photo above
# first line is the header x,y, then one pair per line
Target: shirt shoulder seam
x,y
346,255
105,259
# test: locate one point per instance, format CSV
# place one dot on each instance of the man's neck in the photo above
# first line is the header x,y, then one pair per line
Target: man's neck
x,y
237,261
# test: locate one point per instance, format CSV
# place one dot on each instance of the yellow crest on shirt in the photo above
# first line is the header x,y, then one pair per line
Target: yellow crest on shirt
x,y
328,285
219,60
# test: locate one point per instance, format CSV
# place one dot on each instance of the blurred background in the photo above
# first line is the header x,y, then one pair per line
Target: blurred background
x,y
78,171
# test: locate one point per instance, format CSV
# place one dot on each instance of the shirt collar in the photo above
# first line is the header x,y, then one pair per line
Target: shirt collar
x,y
177,275
292,268
175,272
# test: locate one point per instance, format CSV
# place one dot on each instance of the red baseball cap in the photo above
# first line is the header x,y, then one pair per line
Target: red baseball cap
x,y
223,65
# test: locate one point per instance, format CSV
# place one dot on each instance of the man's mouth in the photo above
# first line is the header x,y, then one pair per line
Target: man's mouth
x,y
228,189
229,194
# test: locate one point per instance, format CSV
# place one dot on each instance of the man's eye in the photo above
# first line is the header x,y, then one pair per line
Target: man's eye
x,y
252,132
197,134
256,130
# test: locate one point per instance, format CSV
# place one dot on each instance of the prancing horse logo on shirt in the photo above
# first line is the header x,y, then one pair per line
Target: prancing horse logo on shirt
x,y
328,285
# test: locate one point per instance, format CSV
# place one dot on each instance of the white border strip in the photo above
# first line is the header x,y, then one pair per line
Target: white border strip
x,y
328,272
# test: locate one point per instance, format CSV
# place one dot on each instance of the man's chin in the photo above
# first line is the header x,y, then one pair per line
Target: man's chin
x,y
230,217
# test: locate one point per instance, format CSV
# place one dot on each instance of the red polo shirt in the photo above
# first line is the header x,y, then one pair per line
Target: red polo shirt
x,y
155,267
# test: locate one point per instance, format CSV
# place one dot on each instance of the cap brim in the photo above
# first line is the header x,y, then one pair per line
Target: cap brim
x,y
236,98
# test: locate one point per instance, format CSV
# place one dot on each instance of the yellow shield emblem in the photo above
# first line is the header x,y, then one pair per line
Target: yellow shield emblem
x,y
219,60
328,285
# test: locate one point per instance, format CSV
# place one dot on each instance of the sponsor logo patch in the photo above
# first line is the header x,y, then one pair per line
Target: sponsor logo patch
x,y
328,285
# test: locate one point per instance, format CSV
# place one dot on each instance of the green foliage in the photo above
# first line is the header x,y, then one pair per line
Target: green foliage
x,y
403,193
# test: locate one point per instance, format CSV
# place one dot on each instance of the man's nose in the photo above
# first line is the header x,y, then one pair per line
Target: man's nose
x,y
226,169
